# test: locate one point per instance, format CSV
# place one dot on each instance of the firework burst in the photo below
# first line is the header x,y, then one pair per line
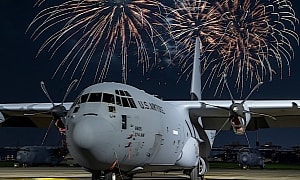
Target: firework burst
x,y
101,30
257,39
191,19
246,39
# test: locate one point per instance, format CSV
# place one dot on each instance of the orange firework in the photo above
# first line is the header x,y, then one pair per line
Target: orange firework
x,y
189,19
257,38
246,39
98,31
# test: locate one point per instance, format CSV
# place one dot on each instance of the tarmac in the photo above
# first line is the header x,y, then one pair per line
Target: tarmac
x,y
77,173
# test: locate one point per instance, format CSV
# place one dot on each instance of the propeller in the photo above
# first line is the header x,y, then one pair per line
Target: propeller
x,y
239,112
59,111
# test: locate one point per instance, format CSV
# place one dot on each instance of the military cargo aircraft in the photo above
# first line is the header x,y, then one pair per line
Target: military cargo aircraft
x,y
250,157
114,129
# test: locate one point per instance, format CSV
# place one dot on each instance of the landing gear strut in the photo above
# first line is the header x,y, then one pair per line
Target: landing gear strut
x,y
104,176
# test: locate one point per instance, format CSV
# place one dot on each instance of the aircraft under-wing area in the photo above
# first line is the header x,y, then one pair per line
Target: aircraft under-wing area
x,y
115,129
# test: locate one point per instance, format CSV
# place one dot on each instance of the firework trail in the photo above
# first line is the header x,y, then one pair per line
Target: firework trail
x,y
246,39
100,29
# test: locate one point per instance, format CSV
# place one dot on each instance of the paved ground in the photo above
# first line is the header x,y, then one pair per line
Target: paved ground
x,y
59,173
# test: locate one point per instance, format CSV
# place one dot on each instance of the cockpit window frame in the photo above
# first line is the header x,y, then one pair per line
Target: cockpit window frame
x,y
119,97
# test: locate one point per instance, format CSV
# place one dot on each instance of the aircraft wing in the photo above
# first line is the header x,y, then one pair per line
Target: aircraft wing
x,y
27,114
286,112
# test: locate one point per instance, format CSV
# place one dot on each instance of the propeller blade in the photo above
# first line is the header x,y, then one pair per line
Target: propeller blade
x,y
57,111
69,90
46,134
225,81
46,92
223,125
257,86
262,114
238,109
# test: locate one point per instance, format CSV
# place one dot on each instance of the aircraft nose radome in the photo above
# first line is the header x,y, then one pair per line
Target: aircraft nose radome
x,y
90,130
20,156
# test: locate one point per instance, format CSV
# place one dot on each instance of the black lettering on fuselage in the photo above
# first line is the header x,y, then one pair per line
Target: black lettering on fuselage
x,y
146,105
151,106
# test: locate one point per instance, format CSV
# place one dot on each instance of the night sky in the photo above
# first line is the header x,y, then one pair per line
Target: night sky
x,y
21,72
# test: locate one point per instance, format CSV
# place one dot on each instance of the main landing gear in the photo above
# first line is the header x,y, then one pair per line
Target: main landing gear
x,y
109,176
198,172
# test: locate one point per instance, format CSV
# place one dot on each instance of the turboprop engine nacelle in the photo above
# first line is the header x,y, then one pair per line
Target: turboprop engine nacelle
x,y
2,119
240,118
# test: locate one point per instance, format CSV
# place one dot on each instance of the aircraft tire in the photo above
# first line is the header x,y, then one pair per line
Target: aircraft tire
x,y
194,173
106,176
96,176
110,176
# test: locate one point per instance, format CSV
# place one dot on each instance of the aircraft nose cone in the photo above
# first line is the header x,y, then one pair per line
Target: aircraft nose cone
x,y
20,156
90,130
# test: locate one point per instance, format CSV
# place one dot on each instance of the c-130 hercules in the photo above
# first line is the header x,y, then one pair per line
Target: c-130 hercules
x,y
114,129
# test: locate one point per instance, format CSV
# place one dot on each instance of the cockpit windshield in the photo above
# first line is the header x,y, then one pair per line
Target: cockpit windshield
x,y
120,98
94,97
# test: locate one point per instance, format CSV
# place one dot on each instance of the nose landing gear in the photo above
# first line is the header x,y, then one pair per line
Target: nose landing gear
x,y
104,176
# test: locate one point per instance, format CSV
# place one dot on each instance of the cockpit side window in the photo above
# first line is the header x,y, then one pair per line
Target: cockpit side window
x,y
109,98
127,93
125,102
95,97
122,93
84,98
131,102
123,98
118,100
